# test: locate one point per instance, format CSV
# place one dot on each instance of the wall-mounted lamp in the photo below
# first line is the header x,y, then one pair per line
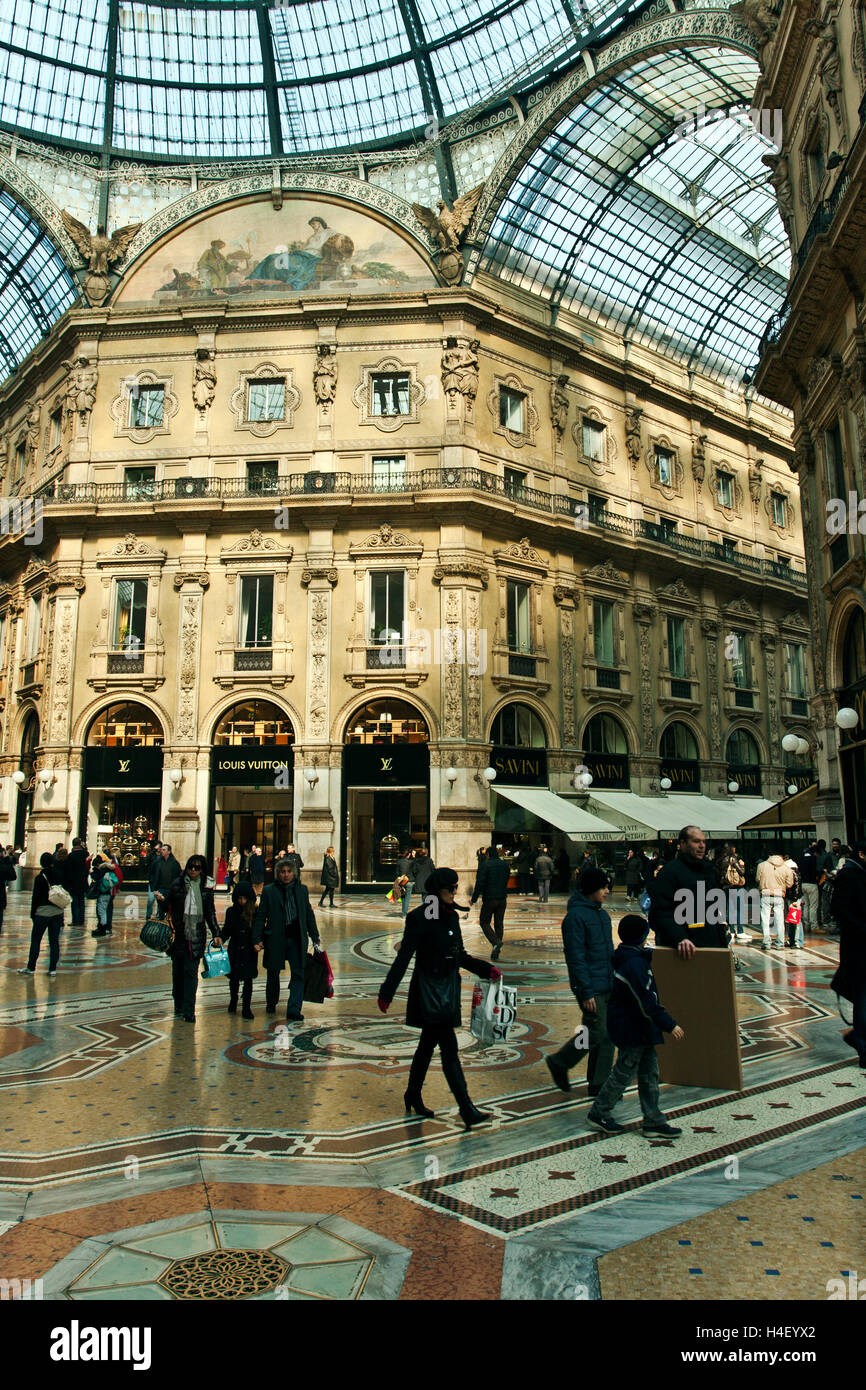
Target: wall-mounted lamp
x,y
18,778
311,777
46,777
666,784
790,742
733,787
802,746
175,776
792,788
451,774
488,775
847,718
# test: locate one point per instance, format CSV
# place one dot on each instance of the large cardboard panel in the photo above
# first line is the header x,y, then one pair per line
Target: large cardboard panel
x,y
701,996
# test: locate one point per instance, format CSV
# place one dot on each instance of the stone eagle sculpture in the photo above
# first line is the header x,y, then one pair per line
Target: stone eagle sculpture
x,y
100,252
446,227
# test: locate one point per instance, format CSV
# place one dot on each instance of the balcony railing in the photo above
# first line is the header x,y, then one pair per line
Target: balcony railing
x,y
424,480
386,658
519,665
126,663
254,659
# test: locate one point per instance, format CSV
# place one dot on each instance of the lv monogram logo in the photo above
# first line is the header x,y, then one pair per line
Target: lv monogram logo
x,y
387,764
124,764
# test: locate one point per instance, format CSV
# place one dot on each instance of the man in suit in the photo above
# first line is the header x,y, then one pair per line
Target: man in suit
x,y
283,926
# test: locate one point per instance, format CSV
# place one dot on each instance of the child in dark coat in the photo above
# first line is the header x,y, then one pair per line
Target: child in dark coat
x,y
237,931
635,1022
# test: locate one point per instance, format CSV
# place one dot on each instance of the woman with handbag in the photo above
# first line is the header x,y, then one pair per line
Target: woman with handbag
x,y
105,882
432,935
47,906
238,932
191,911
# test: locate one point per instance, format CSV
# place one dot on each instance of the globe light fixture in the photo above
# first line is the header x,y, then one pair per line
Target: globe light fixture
x,y
18,778
847,718
792,788
666,784
802,746
46,776
175,777
311,776
733,787
790,742
451,775
489,774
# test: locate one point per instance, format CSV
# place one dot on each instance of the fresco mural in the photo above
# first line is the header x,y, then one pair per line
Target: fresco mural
x,y
253,250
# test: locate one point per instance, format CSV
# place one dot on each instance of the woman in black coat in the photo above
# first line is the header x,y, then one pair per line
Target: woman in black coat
x,y
330,878
434,992
237,930
191,911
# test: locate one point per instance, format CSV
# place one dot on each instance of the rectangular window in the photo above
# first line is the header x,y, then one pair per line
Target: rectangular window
x,y
741,666
266,400
795,667
387,607
593,437
837,483
511,407
263,476
2,641
602,623
389,474
519,622
130,614
146,407
677,646
664,464
515,482
780,508
725,489
257,610
20,461
34,629
390,393
597,507
138,483
55,429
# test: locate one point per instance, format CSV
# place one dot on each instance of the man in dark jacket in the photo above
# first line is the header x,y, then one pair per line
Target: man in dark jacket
x,y
75,880
8,874
424,867
297,863
848,906
807,867
491,887
406,869
586,936
166,871
678,898
636,1020
283,925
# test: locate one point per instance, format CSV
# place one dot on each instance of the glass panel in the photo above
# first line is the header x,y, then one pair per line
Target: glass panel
x,y
678,741
257,606
725,489
145,407
511,409
664,467
139,483
780,509
677,646
262,477
266,400
387,590
389,474
740,663
602,621
386,721
131,614
518,617
390,394
254,721
593,440
742,749
604,734
796,669
34,629
126,724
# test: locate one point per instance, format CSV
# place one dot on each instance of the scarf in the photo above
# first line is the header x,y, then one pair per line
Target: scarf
x,y
193,910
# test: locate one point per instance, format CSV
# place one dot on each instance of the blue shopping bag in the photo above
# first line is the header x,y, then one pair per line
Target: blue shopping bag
x,y
216,962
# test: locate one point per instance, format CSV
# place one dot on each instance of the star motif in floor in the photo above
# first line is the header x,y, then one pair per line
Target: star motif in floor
x,y
554,1174
811,1093
504,1192
704,1129
661,1143
742,1117
614,1158
779,1105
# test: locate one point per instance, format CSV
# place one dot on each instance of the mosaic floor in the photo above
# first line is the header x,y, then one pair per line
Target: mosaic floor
x,y
141,1157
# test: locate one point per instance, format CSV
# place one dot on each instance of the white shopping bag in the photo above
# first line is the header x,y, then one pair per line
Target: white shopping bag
x,y
494,1009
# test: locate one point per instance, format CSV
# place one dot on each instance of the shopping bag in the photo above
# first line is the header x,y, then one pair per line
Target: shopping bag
x,y
216,962
644,901
494,1009
318,978
156,935
794,915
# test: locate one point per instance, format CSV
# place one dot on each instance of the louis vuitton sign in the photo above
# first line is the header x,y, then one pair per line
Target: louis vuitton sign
x,y
116,768
251,765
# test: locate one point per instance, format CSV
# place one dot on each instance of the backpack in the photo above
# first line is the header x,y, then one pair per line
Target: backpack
x,y
733,874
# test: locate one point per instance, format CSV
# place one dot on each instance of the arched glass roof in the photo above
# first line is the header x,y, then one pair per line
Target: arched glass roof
x,y
254,77
35,285
664,228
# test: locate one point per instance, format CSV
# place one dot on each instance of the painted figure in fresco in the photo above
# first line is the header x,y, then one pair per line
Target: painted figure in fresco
x,y
306,263
213,267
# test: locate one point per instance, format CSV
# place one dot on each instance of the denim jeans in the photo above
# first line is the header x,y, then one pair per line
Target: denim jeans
x,y
640,1060
54,926
406,899
599,1058
151,906
102,903
773,914
810,906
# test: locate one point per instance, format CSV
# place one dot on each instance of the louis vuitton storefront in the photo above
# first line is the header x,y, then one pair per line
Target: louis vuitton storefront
x,y
122,784
386,790
252,774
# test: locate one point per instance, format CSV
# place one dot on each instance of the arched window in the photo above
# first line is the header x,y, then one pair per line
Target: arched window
x,y
679,742
387,721
518,726
126,725
742,749
604,734
30,736
254,722
854,649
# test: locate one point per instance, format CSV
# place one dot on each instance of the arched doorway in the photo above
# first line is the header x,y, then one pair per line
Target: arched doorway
x,y
29,743
386,789
121,791
519,747
252,774
605,752
744,762
678,751
852,742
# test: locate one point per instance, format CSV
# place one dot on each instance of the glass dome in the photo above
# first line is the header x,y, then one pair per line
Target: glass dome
x,y
256,77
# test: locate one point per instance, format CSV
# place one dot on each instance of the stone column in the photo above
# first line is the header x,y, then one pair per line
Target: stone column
x,y
315,822
567,600
185,806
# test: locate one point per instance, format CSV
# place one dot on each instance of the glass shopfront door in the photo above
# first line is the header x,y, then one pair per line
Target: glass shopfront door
x,y
379,822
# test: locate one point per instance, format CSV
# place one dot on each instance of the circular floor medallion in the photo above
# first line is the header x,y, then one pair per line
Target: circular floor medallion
x,y
220,1274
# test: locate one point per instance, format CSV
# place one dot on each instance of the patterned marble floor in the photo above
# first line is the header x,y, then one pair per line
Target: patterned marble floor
x,y
116,1117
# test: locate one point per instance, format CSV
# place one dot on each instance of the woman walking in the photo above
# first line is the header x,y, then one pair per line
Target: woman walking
x,y
635,867
45,916
434,992
105,881
237,930
191,911
330,877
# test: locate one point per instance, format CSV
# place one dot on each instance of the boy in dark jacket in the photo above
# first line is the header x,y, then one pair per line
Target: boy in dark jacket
x,y
237,931
635,1022
586,937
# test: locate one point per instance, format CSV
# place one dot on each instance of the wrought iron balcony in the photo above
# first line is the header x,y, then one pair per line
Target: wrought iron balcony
x,y
386,658
127,662
520,665
254,659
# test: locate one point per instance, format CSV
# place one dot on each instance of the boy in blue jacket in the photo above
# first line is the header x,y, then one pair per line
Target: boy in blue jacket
x,y
635,1022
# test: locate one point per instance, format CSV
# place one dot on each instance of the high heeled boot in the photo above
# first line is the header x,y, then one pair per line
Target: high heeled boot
x,y
469,1113
412,1098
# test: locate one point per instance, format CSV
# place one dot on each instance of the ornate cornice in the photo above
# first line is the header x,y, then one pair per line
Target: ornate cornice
x,y
200,577
461,569
132,549
386,538
319,572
